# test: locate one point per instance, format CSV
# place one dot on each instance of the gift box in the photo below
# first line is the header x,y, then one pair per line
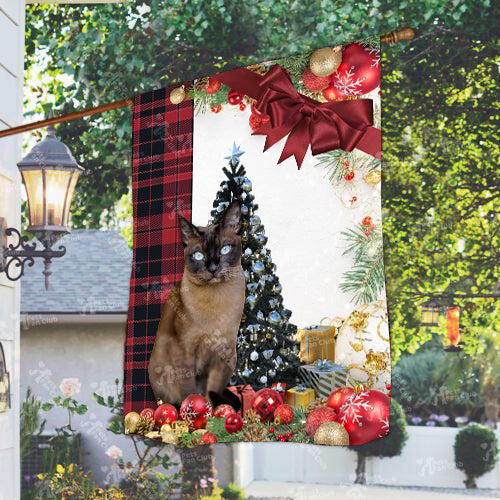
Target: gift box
x,y
279,387
317,342
245,394
323,376
299,396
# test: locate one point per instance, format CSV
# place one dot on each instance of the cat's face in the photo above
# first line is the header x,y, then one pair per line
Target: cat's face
x,y
213,254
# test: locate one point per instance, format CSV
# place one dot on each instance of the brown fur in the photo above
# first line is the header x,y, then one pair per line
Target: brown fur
x,y
195,346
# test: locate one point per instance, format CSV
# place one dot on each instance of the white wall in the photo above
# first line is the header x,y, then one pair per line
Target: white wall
x,y
427,460
11,88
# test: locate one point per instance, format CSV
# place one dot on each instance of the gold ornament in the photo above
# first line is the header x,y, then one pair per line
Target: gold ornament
x,y
268,336
144,425
373,177
375,362
201,84
255,432
277,421
331,433
317,403
170,437
325,61
251,417
131,420
358,320
153,435
180,427
165,428
199,432
359,388
177,95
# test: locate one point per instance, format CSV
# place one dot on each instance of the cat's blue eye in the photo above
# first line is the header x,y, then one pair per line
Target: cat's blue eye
x,y
198,256
225,249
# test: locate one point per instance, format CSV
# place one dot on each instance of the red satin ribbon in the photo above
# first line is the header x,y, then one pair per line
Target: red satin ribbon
x,y
323,126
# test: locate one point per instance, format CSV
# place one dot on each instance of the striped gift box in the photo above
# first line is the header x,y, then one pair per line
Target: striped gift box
x,y
323,376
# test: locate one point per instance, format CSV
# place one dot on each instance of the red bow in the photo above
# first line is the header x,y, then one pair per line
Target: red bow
x,y
324,126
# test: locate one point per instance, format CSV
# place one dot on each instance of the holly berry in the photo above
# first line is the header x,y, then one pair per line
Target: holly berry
x,y
367,221
213,86
280,437
288,435
346,163
388,387
243,106
271,430
373,226
216,109
354,198
349,176
367,232
389,393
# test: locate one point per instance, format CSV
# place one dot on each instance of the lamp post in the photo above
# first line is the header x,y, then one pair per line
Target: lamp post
x,y
429,315
50,173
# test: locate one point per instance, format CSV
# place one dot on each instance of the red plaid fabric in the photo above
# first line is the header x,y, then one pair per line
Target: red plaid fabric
x,y
162,172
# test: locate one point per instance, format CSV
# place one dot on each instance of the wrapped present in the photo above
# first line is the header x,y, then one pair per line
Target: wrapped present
x,y
279,387
323,376
317,342
245,394
299,396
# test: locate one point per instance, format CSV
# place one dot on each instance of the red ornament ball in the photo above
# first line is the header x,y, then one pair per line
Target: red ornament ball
x,y
332,93
285,413
148,413
313,82
265,402
359,72
213,86
365,416
257,121
234,97
349,176
195,410
338,397
222,411
243,106
367,221
165,414
216,109
233,423
208,438
317,417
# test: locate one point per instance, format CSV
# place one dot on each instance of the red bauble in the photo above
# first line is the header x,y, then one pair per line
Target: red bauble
x,y
367,221
285,413
349,176
148,413
257,121
213,86
359,72
222,411
195,410
265,402
317,417
338,397
365,416
234,97
313,82
233,423
332,93
208,438
165,414
243,107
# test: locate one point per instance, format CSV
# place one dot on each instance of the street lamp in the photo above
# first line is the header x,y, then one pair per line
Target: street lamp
x,y
429,314
50,173
453,328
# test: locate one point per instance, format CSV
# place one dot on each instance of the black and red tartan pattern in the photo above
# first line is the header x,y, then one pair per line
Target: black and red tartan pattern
x,y
162,172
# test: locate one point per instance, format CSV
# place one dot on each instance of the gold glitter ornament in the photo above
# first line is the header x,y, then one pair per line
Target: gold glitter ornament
x,y
373,177
153,435
358,320
170,437
180,427
165,428
177,95
359,388
332,434
131,420
325,61
375,362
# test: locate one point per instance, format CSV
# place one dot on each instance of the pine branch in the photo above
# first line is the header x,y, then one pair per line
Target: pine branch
x,y
295,65
371,41
204,102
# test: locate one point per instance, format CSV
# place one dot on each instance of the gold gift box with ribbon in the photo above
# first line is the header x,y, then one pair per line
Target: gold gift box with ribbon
x,y
299,396
318,342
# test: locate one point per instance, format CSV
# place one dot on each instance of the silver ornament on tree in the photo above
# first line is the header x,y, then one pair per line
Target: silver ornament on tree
x,y
252,287
251,299
247,185
258,267
268,354
244,209
263,379
222,206
275,318
254,355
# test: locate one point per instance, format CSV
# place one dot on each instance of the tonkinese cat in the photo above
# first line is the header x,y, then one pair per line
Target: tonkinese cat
x,y
195,346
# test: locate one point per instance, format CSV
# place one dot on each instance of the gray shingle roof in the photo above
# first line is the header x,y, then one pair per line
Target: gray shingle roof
x,y
93,277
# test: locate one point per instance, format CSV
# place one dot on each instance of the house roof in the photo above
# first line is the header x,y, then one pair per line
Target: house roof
x,y
92,278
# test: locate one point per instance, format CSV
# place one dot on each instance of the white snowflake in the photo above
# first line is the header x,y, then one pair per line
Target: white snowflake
x,y
375,53
346,82
351,409
384,429
189,414
241,341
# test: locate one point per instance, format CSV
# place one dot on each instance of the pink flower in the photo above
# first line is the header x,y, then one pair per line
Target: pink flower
x,y
114,452
203,483
70,387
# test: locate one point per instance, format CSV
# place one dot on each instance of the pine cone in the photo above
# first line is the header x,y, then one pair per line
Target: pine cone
x,y
144,425
255,432
251,417
257,68
201,84
195,442
315,404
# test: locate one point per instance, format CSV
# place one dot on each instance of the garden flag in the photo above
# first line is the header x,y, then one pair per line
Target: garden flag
x,y
257,297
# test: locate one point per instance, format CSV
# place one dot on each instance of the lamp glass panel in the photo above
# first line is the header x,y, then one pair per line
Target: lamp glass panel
x,y
34,190
55,194
71,191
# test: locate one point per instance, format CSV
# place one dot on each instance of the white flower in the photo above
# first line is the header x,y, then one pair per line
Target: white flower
x,y
114,452
70,386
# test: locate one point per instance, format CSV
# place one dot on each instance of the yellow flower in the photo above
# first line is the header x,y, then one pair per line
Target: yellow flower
x,y
60,469
40,476
70,468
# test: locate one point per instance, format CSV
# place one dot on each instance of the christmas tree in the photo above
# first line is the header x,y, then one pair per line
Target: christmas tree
x,y
267,352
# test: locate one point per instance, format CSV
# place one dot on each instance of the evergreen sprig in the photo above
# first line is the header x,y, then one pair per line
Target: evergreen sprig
x,y
204,102
295,65
371,41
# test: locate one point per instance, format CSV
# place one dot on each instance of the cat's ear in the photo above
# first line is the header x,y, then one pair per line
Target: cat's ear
x,y
188,230
232,217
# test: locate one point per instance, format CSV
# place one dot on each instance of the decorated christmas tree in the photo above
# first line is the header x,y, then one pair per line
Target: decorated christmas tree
x,y
267,352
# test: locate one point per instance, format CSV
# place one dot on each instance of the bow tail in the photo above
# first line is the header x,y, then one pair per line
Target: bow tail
x,y
297,143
